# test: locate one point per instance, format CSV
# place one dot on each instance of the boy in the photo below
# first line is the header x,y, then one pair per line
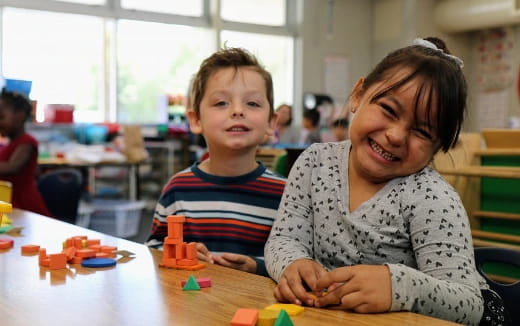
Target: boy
x,y
339,129
230,200
311,124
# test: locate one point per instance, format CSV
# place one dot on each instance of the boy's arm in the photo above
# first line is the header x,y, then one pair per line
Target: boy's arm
x,y
291,237
445,283
21,155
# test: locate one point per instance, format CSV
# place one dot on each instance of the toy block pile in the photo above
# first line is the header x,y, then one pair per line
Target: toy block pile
x,y
273,315
177,253
75,250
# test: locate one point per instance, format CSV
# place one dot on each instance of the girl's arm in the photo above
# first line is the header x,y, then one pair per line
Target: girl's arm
x,y
291,236
19,158
445,283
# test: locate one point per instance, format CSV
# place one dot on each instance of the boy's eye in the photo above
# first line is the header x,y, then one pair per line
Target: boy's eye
x,y
254,104
220,103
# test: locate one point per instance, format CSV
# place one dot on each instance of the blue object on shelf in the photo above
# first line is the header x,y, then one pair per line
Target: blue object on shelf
x,y
18,85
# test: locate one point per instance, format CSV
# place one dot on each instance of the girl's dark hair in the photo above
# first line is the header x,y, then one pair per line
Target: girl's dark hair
x,y
313,115
442,80
225,58
17,101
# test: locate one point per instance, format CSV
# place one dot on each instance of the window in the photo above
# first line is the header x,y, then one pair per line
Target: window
x,y
61,54
179,7
86,2
275,53
155,60
264,12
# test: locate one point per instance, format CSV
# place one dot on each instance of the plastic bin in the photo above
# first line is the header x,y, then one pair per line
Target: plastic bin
x,y
84,215
120,218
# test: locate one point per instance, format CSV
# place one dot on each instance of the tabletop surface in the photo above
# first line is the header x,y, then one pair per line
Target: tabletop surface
x,y
136,291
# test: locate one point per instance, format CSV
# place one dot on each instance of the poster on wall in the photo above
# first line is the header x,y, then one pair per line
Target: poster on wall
x,y
495,76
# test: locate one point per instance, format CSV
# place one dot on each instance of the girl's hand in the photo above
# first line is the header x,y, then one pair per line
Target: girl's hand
x,y
290,288
203,253
236,261
362,288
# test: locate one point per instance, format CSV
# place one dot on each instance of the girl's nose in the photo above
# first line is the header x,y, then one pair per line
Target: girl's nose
x,y
396,135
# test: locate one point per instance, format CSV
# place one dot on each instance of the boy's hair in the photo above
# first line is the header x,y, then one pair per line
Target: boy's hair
x,y
17,101
441,78
339,123
226,58
313,115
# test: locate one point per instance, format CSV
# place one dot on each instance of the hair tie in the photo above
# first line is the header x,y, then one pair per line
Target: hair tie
x,y
430,45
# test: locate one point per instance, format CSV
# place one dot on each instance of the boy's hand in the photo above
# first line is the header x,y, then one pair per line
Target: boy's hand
x,y
362,288
204,254
236,261
290,288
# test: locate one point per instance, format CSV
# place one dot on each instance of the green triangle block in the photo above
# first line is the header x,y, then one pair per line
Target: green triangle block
x,y
283,319
191,284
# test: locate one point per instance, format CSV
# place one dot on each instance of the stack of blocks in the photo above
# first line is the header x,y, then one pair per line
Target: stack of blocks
x,y
176,253
75,250
273,315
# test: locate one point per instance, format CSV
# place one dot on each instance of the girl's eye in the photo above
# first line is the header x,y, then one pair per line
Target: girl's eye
x,y
254,104
220,103
424,134
388,109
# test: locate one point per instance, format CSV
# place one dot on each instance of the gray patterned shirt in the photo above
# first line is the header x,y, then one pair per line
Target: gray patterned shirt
x,y
416,225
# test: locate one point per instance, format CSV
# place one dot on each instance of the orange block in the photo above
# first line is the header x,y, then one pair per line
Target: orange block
x,y
186,262
180,250
245,317
30,249
191,251
95,247
91,242
6,243
70,252
43,255
76,260
85,253
57,261
108,249
102,255
172,241
45,262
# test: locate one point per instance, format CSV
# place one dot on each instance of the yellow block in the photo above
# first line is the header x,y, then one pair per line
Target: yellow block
x,y
291,309
6,190
267,317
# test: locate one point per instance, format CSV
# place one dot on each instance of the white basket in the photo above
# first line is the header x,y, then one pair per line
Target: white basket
x,y
120,218
84,214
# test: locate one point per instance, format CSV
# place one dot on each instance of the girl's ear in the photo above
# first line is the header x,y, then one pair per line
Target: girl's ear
x,y
356,95
194,121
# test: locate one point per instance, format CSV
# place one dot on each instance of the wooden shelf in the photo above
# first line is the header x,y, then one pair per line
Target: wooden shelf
x,y
496,215
496,236
483,171
487,243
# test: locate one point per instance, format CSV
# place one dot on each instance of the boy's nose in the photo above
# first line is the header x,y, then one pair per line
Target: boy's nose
x,y
237,111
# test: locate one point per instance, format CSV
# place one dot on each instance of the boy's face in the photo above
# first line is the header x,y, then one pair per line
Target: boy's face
x,y
340,133
234,110
390,136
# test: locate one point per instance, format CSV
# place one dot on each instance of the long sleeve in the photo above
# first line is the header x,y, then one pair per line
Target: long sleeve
x,y
291,237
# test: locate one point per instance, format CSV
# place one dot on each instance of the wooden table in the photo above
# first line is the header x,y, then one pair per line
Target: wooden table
x,y
136,291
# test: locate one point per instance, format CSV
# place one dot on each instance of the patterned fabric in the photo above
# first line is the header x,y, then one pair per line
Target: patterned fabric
x,y
25,193
227,214
416,225
495,313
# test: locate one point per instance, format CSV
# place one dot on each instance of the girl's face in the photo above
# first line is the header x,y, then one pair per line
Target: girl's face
x,y
9,119
390,136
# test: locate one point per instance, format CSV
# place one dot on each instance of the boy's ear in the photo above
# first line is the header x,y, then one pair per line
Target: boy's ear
x,y
194,121
272,124
357,93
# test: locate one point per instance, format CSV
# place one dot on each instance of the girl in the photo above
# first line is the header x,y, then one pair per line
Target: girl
x,y
366,220
18,160
285,133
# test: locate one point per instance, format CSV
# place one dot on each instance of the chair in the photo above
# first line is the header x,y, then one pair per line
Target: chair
x,y
61,190
510,293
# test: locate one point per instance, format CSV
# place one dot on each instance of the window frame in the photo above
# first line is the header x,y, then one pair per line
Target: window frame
x,y
112,11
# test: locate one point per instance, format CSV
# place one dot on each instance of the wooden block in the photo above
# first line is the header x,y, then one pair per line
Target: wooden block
x,y
291,309
30,249
267,317
6,243
204,282
57,261
191,251
85,253
245,317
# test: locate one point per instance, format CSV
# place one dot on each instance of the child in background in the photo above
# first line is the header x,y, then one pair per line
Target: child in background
x,y
339,129
229,200
367,220
19,159
311,124
285,134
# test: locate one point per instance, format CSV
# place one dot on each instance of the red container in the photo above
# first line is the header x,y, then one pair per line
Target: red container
x,y
59,113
